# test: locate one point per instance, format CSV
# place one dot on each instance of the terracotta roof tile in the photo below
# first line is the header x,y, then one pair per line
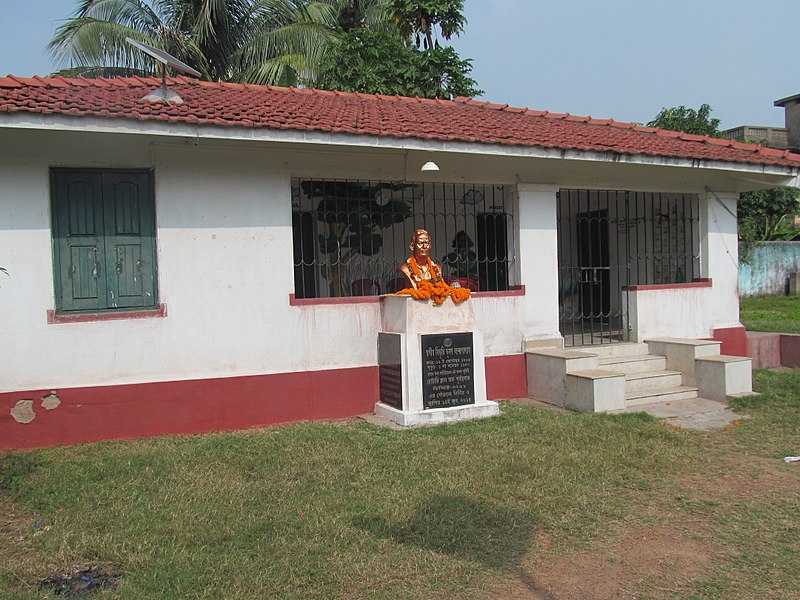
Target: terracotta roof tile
x,y
462,119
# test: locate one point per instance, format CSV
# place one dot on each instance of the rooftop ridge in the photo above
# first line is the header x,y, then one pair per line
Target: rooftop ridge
x,y
119,83
589,120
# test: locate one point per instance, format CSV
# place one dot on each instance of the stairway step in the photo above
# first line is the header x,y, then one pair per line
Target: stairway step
x,y
652,380
680,392
620,349
639,363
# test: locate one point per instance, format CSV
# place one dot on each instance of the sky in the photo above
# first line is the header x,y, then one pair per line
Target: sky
x,y
624,59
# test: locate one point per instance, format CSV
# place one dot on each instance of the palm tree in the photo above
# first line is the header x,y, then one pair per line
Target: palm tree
x,y
257,41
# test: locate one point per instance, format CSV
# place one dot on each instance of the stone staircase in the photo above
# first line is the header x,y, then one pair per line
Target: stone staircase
x,y
614,377
647,379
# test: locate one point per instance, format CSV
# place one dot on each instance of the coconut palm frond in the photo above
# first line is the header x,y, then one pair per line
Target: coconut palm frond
x,y
286,70
101,71
86,41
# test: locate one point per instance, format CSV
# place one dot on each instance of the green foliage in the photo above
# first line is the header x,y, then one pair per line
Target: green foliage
x,y
257,41
415,17
381,63
767,215
279,42
689,120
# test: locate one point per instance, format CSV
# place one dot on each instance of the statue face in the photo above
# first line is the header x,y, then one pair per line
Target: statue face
x,y
422,245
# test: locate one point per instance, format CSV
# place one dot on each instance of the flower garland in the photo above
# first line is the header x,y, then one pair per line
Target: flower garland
x,y
435,288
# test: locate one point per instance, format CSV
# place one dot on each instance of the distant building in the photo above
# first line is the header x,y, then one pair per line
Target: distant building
x,y
791,107
774,137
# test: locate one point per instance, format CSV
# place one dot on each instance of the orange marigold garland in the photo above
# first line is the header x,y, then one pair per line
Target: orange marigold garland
x,y
435,288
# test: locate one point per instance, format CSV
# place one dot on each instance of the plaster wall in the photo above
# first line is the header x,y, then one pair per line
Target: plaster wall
x,y
538,259
719,248
679,312
792,118
224,243
768,269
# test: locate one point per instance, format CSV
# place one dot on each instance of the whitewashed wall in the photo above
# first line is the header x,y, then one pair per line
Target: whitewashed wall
x,y
224,239
225,260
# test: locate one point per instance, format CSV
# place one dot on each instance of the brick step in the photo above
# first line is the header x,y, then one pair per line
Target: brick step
x,y
639,363
652,380
680,392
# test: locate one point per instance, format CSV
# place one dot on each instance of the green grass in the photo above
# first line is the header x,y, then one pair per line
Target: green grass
x,y
771,313
349,510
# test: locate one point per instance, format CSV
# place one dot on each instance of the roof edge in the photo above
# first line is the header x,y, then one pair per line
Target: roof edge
x,y
756,149
123,126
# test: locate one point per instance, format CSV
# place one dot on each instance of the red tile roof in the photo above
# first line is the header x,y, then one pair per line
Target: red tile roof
x,y
462,119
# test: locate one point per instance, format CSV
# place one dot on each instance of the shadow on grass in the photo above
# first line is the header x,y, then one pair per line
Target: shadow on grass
x,y
465,528
14,468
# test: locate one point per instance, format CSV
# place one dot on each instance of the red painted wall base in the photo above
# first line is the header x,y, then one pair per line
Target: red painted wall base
x,y
506,377
92,414
734,340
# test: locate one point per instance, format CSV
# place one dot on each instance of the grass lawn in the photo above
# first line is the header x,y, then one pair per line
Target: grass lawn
x,y
532,504
771,313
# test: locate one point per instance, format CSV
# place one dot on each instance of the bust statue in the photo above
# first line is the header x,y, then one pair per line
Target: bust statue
x,y
425,276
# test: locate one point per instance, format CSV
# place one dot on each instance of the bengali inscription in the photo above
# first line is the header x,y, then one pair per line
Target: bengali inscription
x,y
448,374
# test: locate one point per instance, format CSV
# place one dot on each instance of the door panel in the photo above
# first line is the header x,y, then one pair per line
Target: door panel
x,y
78,241
130,239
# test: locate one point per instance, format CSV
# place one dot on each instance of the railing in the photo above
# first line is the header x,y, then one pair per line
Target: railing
x,y
350,236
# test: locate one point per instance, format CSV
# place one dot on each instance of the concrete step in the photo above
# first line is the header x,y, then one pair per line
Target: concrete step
x,y
621,349
639,363
680,392
652,380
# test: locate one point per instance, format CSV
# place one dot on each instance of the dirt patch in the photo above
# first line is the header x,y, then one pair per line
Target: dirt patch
x,y
81,581
660,560
745,478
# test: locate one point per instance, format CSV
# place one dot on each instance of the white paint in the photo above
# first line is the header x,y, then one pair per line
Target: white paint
x,y
412,319
681,312
721,376
538,259
547,369
682,354
224,243
720,259
595,391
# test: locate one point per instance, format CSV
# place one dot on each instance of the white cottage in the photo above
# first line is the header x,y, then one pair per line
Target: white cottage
x,y
219,263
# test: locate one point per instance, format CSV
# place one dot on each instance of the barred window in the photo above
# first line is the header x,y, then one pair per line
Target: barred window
x,y
350,236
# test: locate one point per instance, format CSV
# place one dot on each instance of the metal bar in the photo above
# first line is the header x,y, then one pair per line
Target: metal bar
x,y
646,245
627,327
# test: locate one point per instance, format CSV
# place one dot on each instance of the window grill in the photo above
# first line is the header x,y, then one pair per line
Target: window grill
x,y
610,240
350,235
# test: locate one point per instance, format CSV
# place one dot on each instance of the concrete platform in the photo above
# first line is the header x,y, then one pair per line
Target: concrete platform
x,y
698,414
481,409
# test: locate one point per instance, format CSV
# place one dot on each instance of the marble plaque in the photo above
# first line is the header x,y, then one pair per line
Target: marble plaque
x,y
390,373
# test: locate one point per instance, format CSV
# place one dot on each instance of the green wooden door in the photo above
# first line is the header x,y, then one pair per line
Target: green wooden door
x,y
130,239
104,239
79,240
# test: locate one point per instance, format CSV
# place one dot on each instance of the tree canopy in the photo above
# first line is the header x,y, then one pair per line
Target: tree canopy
x,y
311,43
382,63
689,120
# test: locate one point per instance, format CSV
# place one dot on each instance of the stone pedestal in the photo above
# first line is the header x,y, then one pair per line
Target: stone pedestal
x,y
431,363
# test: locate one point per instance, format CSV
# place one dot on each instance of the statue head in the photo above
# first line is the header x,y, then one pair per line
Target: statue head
x,y
420,243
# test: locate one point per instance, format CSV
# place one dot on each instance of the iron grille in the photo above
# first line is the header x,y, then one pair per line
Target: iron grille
x,y
610,240
350,236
